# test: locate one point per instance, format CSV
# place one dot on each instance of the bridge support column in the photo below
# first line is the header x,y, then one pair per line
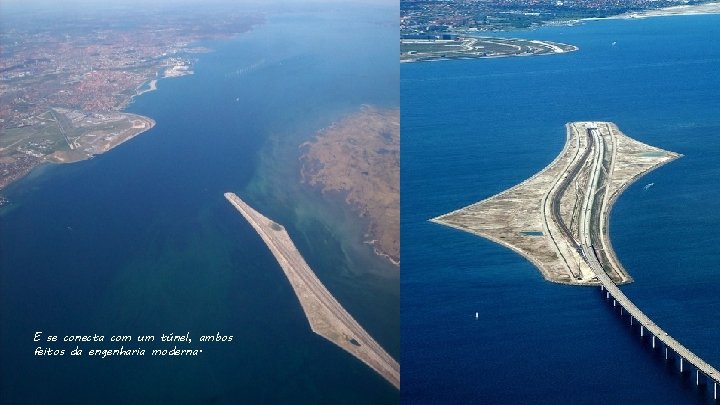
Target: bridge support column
x,y
681,364
653,341
666,352
614,303
642,331
697,378
631,319
621,311
607,295
602,287
714,390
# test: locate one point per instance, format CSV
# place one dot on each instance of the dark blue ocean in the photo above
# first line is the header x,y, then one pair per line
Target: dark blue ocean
x,y
140,240
472,128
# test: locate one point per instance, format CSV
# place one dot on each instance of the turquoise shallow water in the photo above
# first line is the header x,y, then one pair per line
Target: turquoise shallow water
x,y
474,128
141,240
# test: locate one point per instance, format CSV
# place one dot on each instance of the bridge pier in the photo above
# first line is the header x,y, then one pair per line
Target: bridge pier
x,y
673,349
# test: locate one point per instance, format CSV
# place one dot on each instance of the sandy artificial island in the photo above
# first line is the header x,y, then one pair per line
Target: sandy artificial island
x,y
326,315
558,218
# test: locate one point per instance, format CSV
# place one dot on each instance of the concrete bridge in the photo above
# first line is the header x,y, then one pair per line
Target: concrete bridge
x,y
704,372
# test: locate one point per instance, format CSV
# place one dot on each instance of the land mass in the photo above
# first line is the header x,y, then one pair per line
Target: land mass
x,y
326,316
470,16
697,9
557,215
437,30
418,49
360,156
64,136
64,80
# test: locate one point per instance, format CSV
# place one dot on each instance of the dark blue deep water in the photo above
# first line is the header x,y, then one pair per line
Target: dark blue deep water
x,y
473,128
141,240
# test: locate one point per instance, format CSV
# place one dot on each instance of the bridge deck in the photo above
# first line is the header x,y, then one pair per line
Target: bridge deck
x,y
646,322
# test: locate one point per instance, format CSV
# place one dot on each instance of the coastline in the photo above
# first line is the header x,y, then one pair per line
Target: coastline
x,y
119,213
18,163
141,124
695,9
66,157
152,86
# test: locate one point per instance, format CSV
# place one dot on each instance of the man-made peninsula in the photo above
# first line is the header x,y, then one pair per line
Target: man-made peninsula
x,y
557,215
326,316
360,156
421,49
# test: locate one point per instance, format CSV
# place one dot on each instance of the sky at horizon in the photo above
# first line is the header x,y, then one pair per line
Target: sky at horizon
x,y
18,13
19,5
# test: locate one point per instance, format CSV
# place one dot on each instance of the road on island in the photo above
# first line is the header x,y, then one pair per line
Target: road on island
x,y
589,227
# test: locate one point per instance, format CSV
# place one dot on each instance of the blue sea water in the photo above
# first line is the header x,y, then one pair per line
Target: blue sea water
x,y
472,128
140,240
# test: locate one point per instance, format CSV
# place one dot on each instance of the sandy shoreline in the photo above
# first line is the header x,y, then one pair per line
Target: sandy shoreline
x,y
152,86
699,9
